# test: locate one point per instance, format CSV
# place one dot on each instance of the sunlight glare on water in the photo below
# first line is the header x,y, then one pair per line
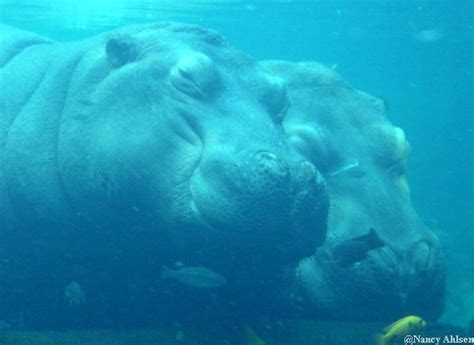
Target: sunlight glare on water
x,y
101,14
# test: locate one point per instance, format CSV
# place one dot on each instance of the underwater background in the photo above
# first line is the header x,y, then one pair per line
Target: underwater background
x,y
416,55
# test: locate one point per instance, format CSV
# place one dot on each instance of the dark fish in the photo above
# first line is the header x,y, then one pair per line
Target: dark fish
x,y
355,249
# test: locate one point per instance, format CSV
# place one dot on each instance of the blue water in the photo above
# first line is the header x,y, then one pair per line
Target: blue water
x,y
415,55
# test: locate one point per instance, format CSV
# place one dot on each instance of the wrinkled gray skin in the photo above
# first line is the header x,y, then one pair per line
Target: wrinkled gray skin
x,y
335,126
163,127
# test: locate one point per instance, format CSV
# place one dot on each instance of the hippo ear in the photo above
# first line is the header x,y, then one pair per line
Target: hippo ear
x,y
120,51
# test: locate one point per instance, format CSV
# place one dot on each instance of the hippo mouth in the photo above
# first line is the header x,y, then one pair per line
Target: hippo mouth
x,y
403,281
389,262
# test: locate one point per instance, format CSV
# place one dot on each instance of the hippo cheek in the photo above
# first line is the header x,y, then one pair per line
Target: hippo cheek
x,y
207,203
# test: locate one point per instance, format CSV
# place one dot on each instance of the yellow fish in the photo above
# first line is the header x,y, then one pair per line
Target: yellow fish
x,y
399,329
252,338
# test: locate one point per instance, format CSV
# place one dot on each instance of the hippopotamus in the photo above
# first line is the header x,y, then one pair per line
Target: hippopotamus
x,y
362,157
148,145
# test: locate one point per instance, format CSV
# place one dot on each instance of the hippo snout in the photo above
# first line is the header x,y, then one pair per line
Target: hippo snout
x,y
277,173
420,259
262,194
268,178
422,256
288,194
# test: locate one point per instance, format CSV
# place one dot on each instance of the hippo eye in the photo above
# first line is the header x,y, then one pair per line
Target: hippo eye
x,y
120,51
194,74
275,98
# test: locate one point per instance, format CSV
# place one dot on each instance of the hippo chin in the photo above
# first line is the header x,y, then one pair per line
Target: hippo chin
x,y
362,157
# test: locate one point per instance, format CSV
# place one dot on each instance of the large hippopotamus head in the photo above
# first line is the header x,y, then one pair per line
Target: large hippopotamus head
x,y
362,156
165,127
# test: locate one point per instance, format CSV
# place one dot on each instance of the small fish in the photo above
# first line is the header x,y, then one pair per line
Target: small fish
x,y
399,329
200,277
351,169
74,294
355,249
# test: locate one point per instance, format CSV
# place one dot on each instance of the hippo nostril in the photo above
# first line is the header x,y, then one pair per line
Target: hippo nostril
x,y
308,171
265,155
269,164
421,256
